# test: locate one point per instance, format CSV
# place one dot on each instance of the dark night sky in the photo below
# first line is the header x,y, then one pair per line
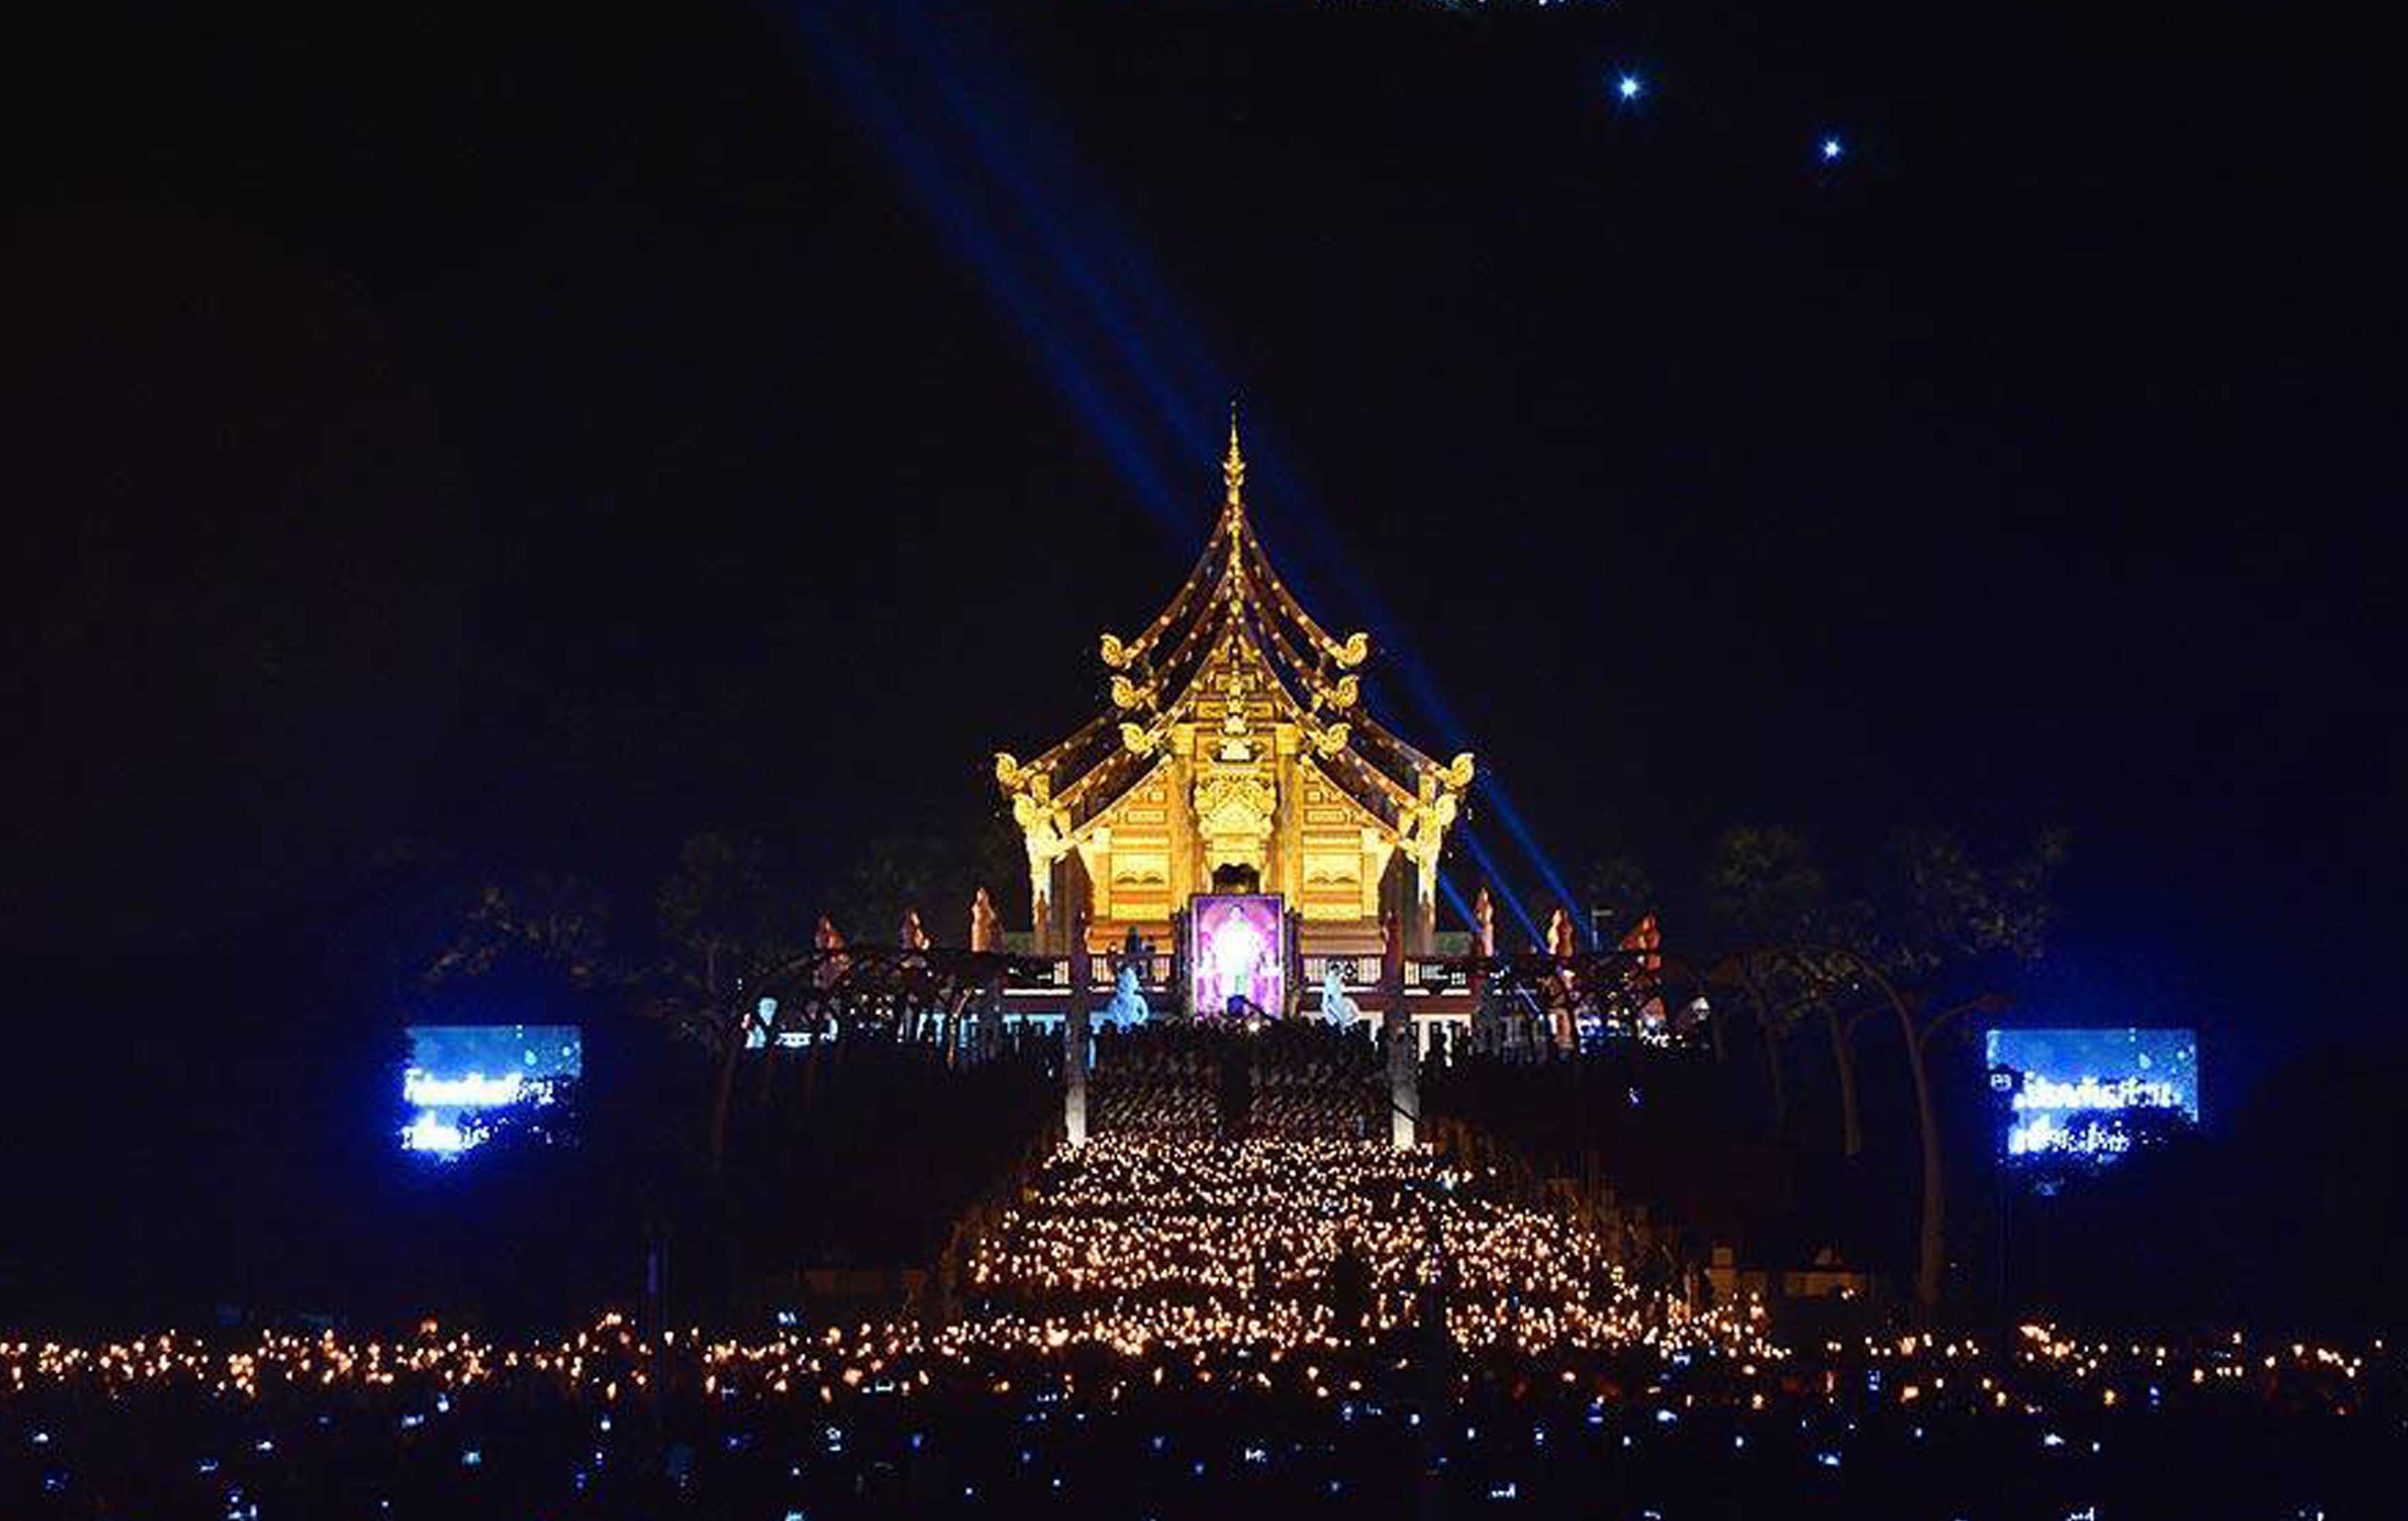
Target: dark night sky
x,y
548,433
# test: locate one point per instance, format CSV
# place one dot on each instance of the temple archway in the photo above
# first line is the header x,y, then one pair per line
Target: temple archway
x,y
1236,876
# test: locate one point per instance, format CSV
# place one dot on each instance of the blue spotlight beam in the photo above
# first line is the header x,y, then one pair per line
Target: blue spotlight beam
x,y
1422,694
1172,374
1007,202
1497,879
1455,899
992,240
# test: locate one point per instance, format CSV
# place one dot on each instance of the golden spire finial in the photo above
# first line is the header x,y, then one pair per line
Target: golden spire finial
x,y
1233,464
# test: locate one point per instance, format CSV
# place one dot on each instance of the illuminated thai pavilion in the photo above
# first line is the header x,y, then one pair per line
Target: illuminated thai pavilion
x,y
1237,757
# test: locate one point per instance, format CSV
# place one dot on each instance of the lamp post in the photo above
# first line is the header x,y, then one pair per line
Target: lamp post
x,y
1397,1025
1074,1037
2005,1083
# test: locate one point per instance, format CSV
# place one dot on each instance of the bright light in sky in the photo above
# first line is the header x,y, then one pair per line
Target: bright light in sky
x,y
1627,87
1830,149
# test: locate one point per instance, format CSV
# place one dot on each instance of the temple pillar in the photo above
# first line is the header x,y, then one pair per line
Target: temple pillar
x,y
1396,1027
1483,950
1563,944
1074,1039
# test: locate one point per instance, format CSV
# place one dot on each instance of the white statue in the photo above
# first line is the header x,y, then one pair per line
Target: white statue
x,y
1128,1008
1336,1007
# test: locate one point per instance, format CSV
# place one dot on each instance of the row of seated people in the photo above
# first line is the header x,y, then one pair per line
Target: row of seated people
x,y
1290,1079
1130,1105
1204,1045
1289,1112
1314,1080
1302,1112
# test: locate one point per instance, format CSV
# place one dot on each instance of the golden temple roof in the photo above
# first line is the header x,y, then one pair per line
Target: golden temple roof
x,y
1233,620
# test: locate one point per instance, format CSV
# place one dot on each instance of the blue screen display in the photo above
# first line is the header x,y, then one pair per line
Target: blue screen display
x,y
2093,1095
462,1078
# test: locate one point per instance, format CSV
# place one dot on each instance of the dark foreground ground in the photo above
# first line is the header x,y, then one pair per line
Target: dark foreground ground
x,y
898,1423
1176,1327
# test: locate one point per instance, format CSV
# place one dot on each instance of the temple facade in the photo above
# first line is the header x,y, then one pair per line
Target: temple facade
x,y
1236,758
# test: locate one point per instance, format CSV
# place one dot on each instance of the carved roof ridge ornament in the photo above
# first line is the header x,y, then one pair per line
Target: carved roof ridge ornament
x,y
1140,740
1010,775
1128,694
1422,824
1233,464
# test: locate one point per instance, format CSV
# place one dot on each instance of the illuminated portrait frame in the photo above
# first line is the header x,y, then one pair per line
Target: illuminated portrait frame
x,y
1218,924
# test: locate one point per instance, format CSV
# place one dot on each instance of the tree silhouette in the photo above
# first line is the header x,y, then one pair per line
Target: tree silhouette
x,y
725,915
558,920
1936,914
1763,887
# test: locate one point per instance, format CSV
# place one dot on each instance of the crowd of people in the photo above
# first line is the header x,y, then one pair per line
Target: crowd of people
x,y
1281,1078
1141,1239
1316,1080
1175,1326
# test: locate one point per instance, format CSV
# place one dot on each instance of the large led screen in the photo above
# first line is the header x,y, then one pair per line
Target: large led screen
x,y
463,1078
2093,1095
1235,955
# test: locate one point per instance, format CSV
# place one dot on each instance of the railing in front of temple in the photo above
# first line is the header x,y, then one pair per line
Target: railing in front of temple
x,y
980,1004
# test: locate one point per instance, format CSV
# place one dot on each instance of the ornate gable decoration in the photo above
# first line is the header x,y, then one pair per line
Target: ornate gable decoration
x,y
1234,811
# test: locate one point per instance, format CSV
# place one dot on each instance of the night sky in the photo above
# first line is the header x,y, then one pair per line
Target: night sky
x,y
545,433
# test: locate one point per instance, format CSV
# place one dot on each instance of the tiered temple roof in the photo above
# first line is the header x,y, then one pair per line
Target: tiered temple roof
x,y
1234,654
